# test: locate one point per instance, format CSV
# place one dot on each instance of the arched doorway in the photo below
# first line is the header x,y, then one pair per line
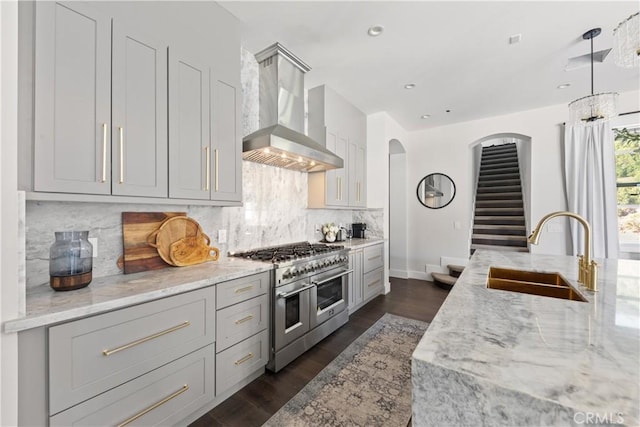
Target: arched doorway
x,y
398,233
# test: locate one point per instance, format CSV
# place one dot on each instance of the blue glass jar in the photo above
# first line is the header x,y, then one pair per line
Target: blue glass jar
x,y
70,261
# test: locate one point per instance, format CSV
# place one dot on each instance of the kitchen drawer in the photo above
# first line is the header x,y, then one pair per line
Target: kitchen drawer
x,y
240,321
373,283
92,355
241,360
373,257
238,290
164,396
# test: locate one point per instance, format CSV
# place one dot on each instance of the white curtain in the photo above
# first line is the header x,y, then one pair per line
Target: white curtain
x,y
590,184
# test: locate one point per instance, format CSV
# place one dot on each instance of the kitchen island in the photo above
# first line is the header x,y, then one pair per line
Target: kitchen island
x,y
493,357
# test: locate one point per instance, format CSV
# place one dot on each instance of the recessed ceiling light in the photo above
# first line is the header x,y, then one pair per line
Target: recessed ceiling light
x,y
447,111
425,116
564,85
514,39
409,86
375,30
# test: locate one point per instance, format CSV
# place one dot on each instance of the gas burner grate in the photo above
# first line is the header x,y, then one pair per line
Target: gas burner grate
x,y
287,252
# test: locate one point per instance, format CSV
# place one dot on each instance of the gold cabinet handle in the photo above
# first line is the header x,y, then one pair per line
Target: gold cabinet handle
x,y
207,176
215,154
154,406
373,257
145,339
242,290
244,359
121,132
244,319
104,152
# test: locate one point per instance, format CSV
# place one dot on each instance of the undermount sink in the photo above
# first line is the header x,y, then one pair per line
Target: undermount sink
x,y
533,282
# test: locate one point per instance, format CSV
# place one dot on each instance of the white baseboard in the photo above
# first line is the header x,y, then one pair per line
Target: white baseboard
x,y
400,274
419,275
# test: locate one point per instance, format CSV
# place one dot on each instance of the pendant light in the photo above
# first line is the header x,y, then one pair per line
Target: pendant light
x,y
626,42
595,106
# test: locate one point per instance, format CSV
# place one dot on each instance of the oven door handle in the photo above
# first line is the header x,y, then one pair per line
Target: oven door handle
x,y
296,292
344,273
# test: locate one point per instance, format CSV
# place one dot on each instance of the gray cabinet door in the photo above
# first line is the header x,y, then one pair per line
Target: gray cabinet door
x,y
356,170
336,179
139,126
190,156
226,143
72,99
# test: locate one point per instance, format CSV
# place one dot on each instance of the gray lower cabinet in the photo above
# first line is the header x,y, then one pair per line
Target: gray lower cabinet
x,y
164,396
156,363
242,321
367,279
90,356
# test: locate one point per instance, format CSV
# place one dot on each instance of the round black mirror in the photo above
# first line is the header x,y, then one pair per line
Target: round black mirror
x,y
436,190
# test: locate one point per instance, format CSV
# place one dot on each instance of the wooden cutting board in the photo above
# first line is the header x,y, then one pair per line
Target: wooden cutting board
x,y
136,227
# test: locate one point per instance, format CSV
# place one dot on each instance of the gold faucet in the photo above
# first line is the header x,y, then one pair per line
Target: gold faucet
x,y
587,268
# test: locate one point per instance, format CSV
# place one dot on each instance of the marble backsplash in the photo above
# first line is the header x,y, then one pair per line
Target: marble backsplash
x,y
274,209
274,212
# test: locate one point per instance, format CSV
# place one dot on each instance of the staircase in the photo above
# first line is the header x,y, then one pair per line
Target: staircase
x,y
499,213
446,281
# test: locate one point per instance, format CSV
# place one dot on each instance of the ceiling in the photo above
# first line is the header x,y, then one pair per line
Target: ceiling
x,y
456,53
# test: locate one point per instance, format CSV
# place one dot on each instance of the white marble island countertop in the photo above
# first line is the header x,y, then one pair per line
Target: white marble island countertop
x,y
44,306
493,357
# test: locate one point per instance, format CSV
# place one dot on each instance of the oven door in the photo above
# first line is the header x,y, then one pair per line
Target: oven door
x,y
329,296
291,312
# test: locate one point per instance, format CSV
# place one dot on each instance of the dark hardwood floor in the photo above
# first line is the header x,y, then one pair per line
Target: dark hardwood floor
x,y
255,403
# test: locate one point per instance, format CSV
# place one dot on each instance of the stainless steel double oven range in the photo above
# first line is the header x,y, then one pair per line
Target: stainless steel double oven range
x,y
309,297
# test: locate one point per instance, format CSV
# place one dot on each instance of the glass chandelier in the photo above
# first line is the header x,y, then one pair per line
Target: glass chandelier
x,y
594,106
626,42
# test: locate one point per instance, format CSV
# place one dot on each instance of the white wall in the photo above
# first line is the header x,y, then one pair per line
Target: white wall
x,y
9,302
446,149
381,129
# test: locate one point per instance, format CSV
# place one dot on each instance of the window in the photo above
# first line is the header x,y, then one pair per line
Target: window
x,y
627,147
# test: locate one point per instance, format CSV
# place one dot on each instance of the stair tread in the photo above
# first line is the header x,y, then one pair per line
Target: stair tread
x,y
500,227
499,237
444,278
499,248
455,267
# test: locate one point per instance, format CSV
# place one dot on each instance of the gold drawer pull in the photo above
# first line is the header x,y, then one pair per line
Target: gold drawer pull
x,y
373,257
244,359
244,319
154,406
145,339
245,289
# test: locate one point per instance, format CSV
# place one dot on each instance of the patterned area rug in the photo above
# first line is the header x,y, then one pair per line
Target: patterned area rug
x,y
368,384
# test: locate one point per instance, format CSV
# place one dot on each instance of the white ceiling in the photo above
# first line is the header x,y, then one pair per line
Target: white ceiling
x,y
456,53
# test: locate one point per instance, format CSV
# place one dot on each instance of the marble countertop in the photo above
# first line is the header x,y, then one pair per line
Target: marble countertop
x,y
493,357
46,306
357,243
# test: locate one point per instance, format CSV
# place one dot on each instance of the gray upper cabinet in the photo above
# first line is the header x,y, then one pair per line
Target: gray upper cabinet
x,y
336,179
189,152
357,174
72,152
225,142
343,129
126,105
139,126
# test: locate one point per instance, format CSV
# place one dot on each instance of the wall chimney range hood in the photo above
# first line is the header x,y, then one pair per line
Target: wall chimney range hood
x,y
281,141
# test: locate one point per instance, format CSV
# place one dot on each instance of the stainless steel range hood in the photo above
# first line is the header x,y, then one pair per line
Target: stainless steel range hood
x,y
281,140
